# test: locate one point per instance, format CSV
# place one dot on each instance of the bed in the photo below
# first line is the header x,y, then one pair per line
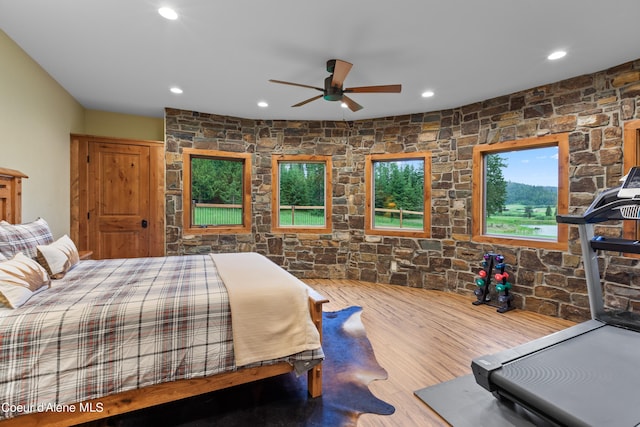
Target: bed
x,y
111,336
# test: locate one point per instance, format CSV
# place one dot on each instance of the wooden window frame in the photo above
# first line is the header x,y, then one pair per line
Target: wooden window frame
x,y
370,198
245,227
275,193
478,190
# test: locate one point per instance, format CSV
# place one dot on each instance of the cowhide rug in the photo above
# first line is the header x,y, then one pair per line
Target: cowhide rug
x,y
349,367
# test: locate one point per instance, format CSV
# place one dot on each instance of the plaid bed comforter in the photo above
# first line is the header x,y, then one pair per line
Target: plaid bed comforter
x,y
114,325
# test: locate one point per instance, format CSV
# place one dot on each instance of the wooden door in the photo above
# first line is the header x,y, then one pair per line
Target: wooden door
x,y
119,200
117,196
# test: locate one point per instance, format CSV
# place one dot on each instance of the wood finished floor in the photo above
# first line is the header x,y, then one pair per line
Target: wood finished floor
x,y
424,337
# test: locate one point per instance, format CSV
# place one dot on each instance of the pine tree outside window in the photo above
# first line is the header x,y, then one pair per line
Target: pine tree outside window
x,y
398,197
217,192
301,193
518,189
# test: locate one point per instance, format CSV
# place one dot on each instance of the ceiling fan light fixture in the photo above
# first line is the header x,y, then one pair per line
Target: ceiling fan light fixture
x,y
333,86
168,13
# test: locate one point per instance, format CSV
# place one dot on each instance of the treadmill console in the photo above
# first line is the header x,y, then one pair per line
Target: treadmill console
x,y
631,186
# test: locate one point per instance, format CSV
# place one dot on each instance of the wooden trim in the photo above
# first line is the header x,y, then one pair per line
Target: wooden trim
x,y
157,201
631,157
158,394
478,189
369,198
275,193
77,175
187,229
115,140
79,185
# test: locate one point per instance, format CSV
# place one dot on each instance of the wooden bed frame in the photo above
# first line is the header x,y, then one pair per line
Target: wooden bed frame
x,y
145,397
132,400
11,195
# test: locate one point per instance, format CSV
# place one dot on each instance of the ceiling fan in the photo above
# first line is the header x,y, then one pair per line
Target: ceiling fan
x,y
333,90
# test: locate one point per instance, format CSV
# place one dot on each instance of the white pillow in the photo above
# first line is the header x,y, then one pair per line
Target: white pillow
x,y
58,257
20,278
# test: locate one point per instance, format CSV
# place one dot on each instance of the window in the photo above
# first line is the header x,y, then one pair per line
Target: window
x,y
217,192
301,196
518,189
398,198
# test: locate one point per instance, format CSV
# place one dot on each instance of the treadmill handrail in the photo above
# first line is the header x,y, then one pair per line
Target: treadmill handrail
x,y
600,213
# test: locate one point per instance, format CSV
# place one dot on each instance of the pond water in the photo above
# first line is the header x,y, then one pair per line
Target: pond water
x,y
544,230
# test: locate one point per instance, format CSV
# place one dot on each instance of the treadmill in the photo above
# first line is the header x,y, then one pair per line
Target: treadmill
x,y
588,374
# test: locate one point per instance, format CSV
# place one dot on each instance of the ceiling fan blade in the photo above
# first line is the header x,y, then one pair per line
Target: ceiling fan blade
x,y
375,89
296,84
307,101
340,71
353,105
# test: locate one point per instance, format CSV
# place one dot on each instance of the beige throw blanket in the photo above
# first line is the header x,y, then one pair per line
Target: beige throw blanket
x,y
269,308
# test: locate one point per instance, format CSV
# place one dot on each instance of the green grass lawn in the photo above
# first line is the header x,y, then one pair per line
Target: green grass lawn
x,y
383,221
510,223
233,216
217,216
513,222
302,217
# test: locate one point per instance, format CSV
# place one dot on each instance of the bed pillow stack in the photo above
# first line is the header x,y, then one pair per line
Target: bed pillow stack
x,y
29,258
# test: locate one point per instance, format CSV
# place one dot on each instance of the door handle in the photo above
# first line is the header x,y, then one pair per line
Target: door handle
x,y
144,223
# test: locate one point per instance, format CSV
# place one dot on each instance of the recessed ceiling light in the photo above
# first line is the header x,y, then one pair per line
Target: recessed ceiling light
x,y
263,104
557,55
344,105
427,94
176,90
168,13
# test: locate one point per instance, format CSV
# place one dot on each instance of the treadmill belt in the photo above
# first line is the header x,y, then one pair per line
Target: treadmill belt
x,y
590,380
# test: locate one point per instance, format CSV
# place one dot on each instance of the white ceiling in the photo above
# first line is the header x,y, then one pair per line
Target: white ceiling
x,y
121,56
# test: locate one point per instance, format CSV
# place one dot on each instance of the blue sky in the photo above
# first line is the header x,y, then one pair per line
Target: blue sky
x,y
538,166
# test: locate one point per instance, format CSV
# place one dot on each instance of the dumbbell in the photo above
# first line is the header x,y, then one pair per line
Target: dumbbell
x,y
500,276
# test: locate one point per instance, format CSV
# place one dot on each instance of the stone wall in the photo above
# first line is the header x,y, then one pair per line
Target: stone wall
x,y
591,108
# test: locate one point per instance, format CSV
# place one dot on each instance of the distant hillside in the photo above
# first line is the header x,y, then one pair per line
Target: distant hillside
x,y
532,195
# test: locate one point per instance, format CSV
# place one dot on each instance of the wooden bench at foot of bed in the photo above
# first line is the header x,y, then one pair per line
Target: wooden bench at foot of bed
x,y
158,394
